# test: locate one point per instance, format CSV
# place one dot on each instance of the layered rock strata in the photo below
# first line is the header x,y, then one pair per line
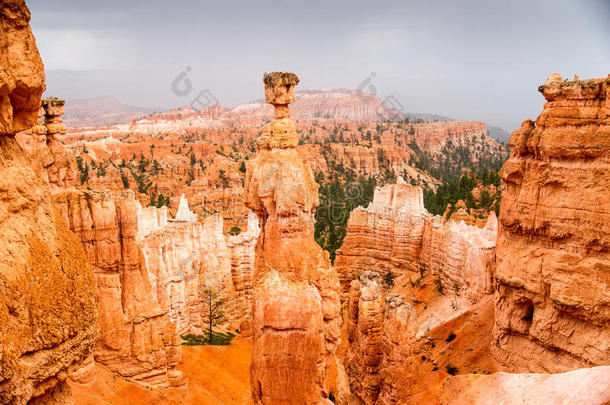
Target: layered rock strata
x,y
553,252
41,144
185,258
396,234
151,274
48,309
295,298
137,340
380,332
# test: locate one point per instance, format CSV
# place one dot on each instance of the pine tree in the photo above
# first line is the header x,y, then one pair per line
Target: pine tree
x,y
212,311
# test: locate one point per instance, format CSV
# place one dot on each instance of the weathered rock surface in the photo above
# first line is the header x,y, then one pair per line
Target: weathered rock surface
x,y
553,260
48,310
396,234
295,298
137,339
587,386
47,156
185,258
461,256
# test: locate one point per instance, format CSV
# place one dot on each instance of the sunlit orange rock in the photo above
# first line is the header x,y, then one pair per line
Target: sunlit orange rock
x,y
295,298
553,246
48,309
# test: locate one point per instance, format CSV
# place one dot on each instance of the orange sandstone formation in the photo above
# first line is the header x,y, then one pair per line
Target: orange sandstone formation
x,y
553,260
396,234
48,309
295,299
137,339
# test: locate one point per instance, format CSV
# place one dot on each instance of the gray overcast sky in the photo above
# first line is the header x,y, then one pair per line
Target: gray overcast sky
x,y
473,59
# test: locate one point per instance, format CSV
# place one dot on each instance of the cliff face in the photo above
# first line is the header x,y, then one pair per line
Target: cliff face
x,y
553,261
460,255
47,156
137,339
48,310
150,273
396,234
385,237
295,298
184,258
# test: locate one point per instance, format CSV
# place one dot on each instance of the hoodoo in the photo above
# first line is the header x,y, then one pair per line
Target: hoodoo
x,y
296,291
553,296
48,301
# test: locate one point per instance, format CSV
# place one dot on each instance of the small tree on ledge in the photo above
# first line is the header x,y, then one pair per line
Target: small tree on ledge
x,y
212,311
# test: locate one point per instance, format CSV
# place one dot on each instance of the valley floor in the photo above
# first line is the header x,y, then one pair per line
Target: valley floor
x,y
217,375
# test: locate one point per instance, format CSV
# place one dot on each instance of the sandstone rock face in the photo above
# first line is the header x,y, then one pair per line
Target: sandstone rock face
x,y
295,298
185,258
150,273
461,255
184,213
364,334
48,157
386,236
553,261
48,310
137,339
380,334
21,72
396,234
587,386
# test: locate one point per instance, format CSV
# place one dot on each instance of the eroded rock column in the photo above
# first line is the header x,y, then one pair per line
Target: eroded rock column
x,y
295,298
553,252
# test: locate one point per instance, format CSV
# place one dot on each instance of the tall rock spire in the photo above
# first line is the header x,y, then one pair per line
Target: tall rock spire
x,y
295,299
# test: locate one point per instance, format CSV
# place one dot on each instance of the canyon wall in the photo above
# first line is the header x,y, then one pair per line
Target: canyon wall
x,y
48,310
396,234
553,260
380,333
151,272
295,299
137,340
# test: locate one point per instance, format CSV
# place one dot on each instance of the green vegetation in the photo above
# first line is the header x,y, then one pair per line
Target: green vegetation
x,y
451,369
388,279
337,200
212,312
235,230
450,337
83,168
158,201
218,339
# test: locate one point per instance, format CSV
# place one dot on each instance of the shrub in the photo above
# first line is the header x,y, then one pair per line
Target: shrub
x,y
439,286
236,230
451,369
450,337
388,279
218,339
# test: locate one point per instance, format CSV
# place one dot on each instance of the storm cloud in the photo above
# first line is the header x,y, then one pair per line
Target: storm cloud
x,y
480,60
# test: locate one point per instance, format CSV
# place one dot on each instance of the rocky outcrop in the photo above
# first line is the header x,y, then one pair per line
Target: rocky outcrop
x,y
553,261
185,258
396,234
41,144
295,298
184,213
461,256
48,310
587,386
137,339
386,236
381,333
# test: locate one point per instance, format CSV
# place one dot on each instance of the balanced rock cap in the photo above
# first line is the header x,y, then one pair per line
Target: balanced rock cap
x,y
279,87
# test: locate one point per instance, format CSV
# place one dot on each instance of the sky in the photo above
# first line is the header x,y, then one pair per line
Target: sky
x,y
474,59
